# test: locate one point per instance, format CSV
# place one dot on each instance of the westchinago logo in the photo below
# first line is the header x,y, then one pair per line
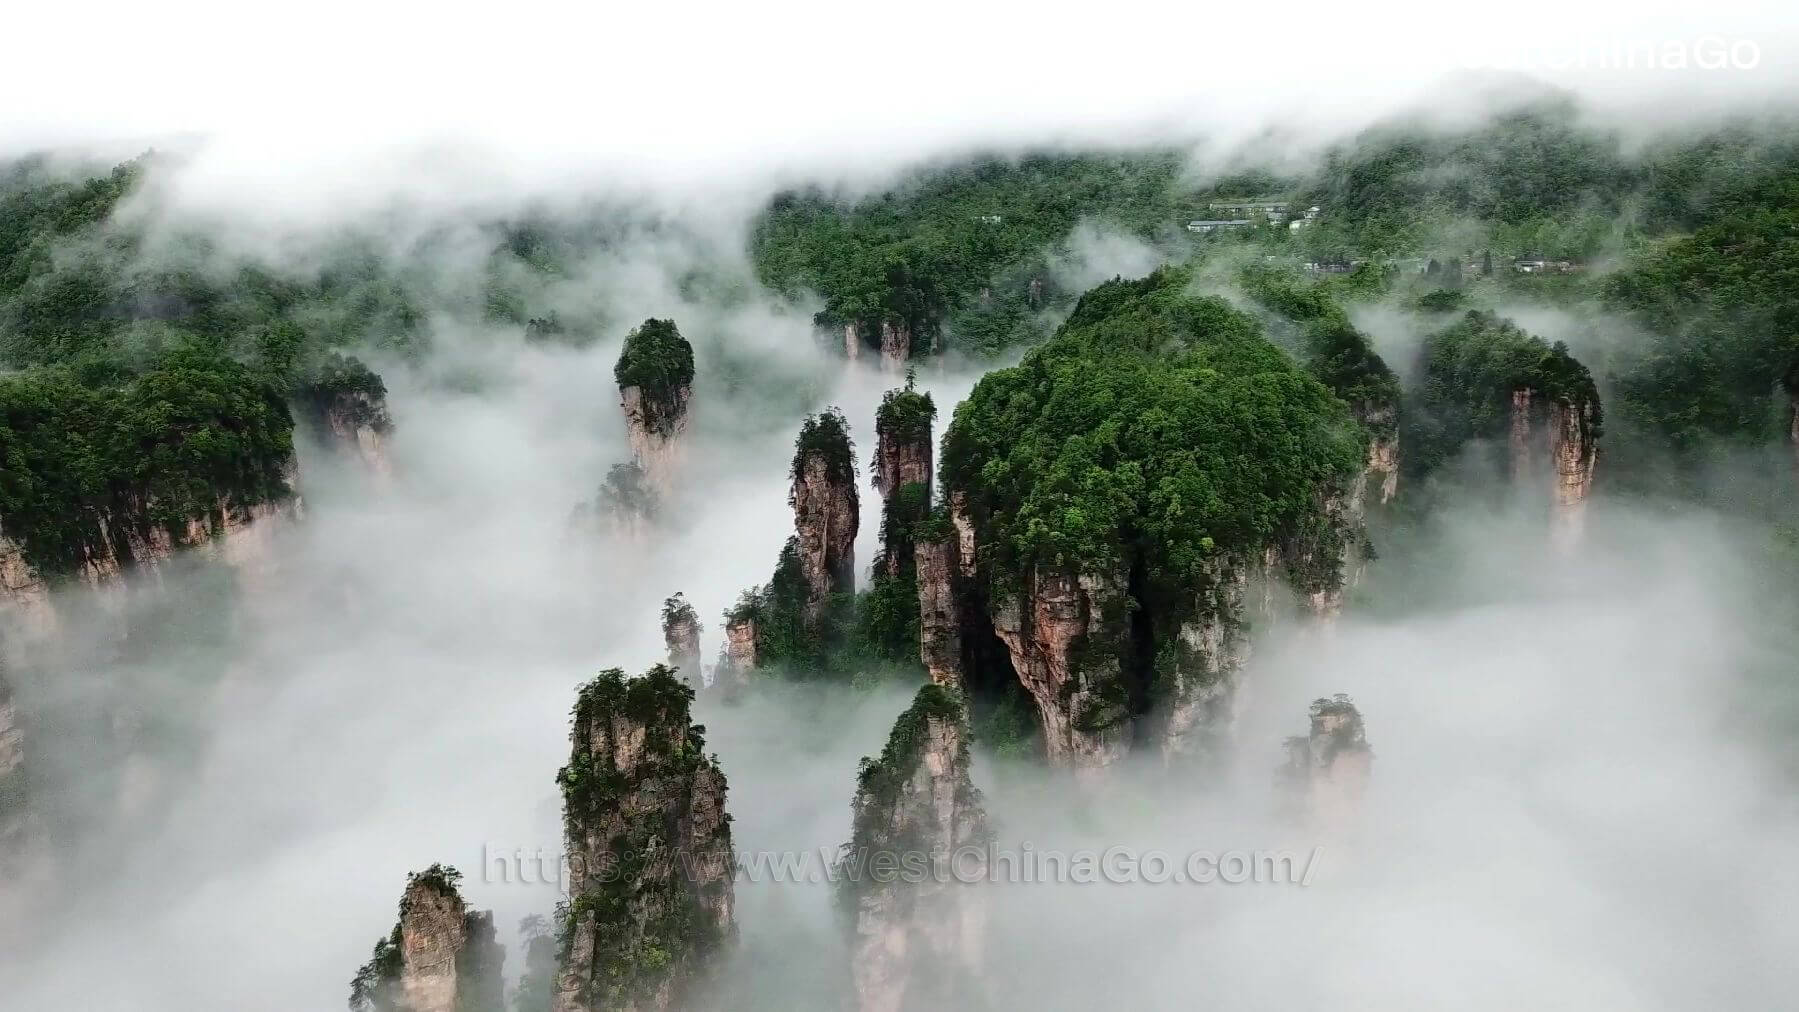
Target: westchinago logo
x,y
1707,53
1023,865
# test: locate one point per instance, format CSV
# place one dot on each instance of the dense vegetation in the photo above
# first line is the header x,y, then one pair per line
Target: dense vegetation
x,y
1723,306
1156,428
941,249
87,462
1308,319
825,436
905,415
377,987
1469,371
658,361
1154,445
617,817
882,780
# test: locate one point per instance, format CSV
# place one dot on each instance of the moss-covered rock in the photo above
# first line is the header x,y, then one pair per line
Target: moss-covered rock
x,y
1121,482
649,848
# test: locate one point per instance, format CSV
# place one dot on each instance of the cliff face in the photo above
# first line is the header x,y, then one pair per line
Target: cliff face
x,y
1083,721
655,432
739,656
902,471
916,941
681,634
655,380
346,407
1574,450
1327,556
1327,771
356,421
24,593
965,537
1382,470
1520,444
12,772
361,423
30,869
441,956
134,539
1114,526
1077,649
649,849
896,345
1212,649
1567,430
901,458
826,509
940,617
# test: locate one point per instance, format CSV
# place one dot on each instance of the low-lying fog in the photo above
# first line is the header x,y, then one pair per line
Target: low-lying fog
x,y
1579,798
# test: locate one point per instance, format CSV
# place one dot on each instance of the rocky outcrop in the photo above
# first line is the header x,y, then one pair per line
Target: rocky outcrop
x,y
650,866
440,957
1326,773
1575,451
1520,443
681,634
826,508
12,772
1326,557
655,380
940,618
917,937
738,657
1212,647
896,345
902,473
1078,698
1484,378
118,478
627,506
346,407
1113,525
852,341
903,441
1382,470
128,544
656,447
965,541
1567,431
24,592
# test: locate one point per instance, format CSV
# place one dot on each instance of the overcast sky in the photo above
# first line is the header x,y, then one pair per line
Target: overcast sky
x,y
334,90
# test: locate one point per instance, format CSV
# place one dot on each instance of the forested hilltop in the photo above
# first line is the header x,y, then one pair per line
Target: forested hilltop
x,y
1669,263
1672,264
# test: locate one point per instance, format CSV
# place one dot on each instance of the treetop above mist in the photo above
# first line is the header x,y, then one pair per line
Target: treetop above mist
x,y
1154,423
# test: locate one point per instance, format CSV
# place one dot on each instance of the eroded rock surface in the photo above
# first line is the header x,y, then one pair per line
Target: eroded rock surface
x,y
649,849
346,406
1077,703
655,381
826,508
681,634
940,611
440,957
917,941
1327,770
